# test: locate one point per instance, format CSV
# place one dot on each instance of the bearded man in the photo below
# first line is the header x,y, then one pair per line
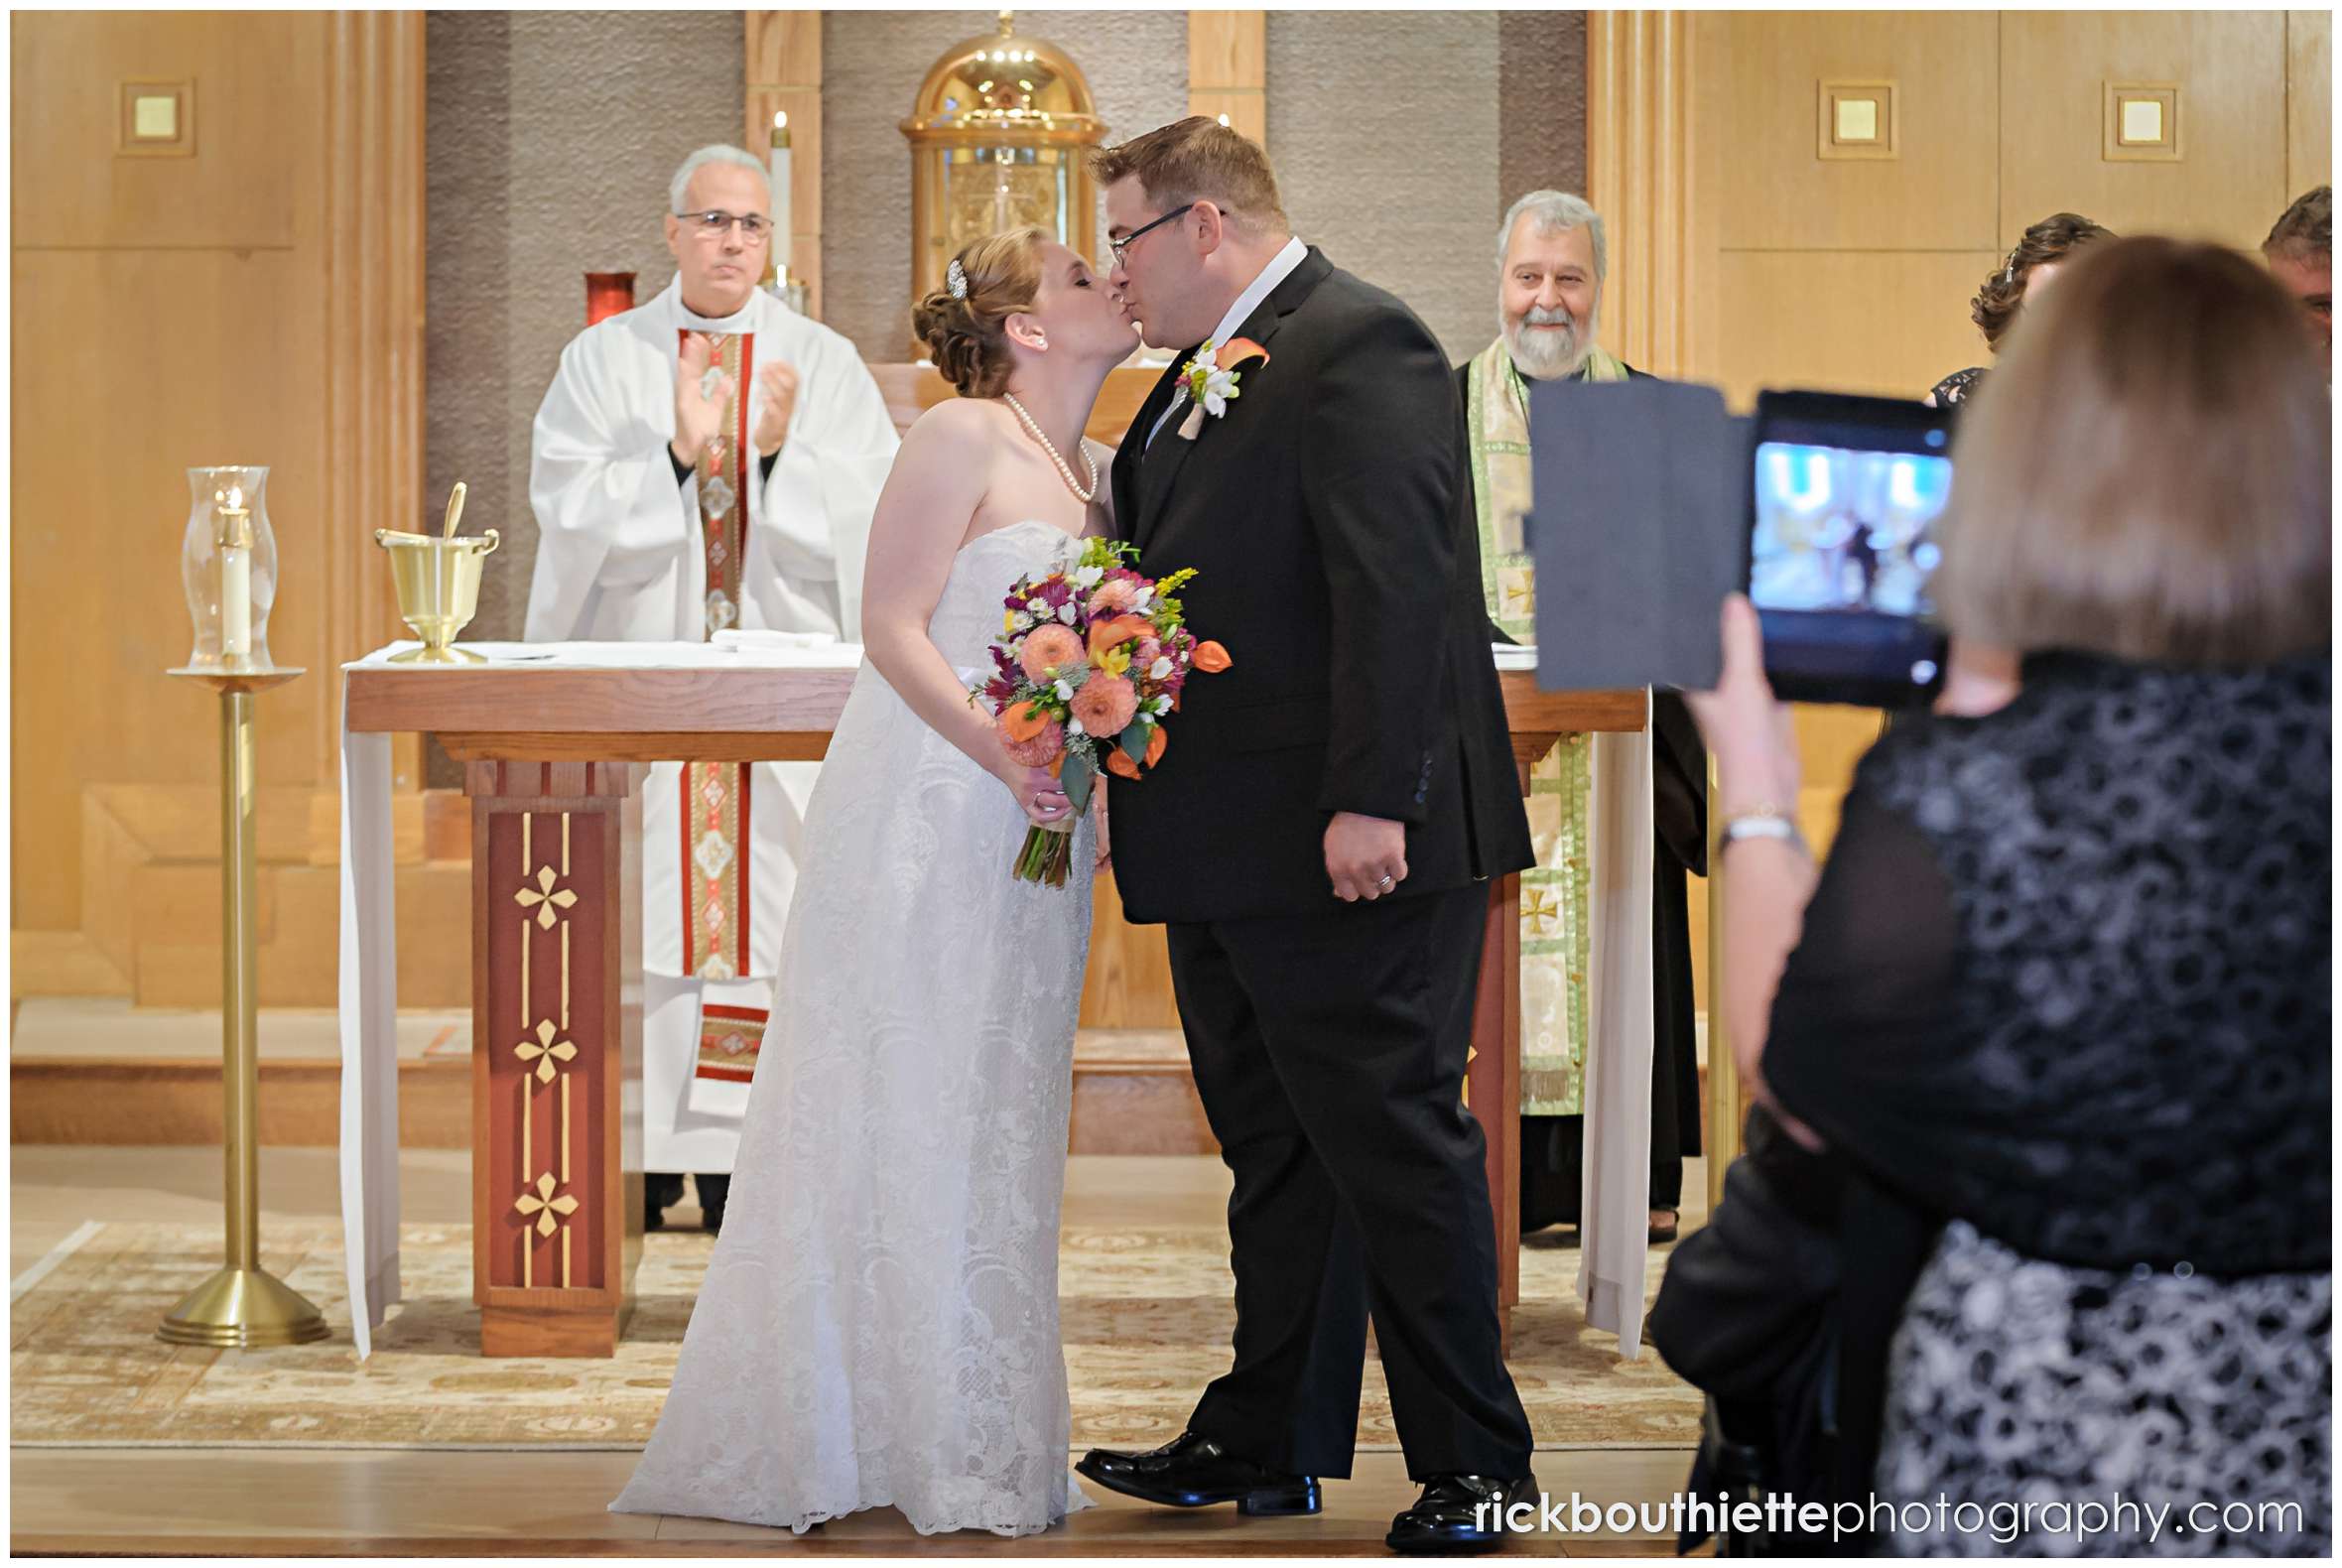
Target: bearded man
x,y
1554,261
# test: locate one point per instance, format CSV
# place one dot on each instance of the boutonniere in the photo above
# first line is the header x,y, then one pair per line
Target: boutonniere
x,y
1213,380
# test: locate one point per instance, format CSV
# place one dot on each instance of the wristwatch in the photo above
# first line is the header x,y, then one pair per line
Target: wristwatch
x,y
1765,821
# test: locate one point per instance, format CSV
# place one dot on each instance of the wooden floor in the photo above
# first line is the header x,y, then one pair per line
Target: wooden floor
x,y
181,1502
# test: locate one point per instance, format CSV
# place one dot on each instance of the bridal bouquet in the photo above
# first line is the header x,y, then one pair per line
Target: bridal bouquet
x,y
1089,661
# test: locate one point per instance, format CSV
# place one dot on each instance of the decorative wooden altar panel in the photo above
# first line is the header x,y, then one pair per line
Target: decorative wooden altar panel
x,y
557,1054
567,772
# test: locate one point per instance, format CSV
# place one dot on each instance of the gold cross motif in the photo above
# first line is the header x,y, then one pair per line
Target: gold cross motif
x,y
545,1050
543,899
1542,911
544,1205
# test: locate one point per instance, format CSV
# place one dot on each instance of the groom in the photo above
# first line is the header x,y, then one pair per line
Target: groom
x,y
1317,837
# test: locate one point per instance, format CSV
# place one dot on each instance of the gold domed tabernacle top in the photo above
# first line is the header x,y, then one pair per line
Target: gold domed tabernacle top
x,y
998,135
999,81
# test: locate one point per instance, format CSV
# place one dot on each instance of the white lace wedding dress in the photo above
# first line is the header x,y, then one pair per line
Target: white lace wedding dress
x,y
878,1324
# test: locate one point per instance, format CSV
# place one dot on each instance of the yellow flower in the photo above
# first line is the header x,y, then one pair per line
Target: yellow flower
x,y
1116,661
1009,623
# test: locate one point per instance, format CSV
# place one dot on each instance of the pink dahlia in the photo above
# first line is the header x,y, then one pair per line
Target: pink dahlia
x,y
1105,705
1051,647
1112,597
1038,752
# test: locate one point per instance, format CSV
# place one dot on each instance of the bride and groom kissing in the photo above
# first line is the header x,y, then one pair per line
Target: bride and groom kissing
x,y
878,1325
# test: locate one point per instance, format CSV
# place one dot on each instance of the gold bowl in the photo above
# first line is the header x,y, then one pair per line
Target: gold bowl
x,y
437,582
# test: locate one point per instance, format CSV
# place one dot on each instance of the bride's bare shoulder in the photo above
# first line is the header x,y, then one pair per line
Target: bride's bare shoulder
x,y
956,424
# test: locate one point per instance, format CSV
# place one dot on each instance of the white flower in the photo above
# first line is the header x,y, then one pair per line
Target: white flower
x,y
1073,727
1039,607
1142,601
1064,612
1064,691
1219,387
1088,576
1021,621
1157,669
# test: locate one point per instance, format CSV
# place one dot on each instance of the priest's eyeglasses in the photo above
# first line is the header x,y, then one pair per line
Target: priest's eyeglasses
x,y
711,224
1121,248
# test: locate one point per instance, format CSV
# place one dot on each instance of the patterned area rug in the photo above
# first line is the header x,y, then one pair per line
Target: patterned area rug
x,y
1146,1316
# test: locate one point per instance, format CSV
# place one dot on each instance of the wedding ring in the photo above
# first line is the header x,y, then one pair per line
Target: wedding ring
x,y
1386,884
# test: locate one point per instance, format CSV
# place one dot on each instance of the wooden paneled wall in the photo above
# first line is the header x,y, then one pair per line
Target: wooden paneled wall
x,y
254,296
1856,273
1227,69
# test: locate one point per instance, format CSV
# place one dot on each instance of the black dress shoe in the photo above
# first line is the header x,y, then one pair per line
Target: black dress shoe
x,y
1191,1472
661,1191
715,1192
1458,1514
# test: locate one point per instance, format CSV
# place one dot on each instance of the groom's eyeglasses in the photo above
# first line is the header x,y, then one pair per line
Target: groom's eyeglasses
x,y
713,225
1121,248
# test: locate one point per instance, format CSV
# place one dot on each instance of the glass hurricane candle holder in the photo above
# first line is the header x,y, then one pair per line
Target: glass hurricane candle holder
x,y
227,562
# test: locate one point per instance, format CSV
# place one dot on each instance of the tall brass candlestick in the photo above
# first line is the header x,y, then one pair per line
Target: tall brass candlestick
x,y
242,1305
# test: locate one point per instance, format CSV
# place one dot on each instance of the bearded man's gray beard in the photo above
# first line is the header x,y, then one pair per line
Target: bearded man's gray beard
x,y
1545,344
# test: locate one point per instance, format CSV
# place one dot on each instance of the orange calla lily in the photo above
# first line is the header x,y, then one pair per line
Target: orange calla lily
x,y
1155,744
1119,763
1237,350
1105,634
1024,722
1211,658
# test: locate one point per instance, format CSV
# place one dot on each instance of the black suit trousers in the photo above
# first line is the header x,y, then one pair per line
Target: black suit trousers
x,y
1329,1051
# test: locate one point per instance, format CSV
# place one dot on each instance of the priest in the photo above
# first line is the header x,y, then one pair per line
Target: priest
x,y
702,463
1552,261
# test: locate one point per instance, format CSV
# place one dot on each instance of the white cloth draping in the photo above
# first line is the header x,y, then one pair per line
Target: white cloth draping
x,y
369,948
1617,1093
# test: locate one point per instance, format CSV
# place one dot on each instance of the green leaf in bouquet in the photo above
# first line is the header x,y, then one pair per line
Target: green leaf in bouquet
x,y
1135,741
1077,776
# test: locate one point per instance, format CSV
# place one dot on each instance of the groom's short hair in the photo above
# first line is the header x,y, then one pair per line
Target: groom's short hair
x,y
1198,159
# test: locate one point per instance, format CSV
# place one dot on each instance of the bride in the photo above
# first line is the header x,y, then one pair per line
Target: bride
x,y
878,1326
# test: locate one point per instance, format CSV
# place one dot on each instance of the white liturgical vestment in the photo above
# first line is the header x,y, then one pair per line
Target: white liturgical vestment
x,y
626,553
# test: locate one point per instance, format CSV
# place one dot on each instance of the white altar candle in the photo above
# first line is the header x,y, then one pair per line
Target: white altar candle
x,y
235,582
781,209
235,601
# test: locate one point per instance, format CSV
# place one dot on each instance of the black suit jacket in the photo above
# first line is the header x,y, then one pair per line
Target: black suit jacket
x,y
1329,523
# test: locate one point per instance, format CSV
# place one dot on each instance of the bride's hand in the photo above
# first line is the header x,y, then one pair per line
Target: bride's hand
x,y
1105,857
1038,792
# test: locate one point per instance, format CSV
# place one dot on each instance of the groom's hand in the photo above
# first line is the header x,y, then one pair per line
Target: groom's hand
x,y
1366,857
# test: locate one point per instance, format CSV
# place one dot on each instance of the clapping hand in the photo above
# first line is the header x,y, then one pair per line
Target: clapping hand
x,y
699,407
779,384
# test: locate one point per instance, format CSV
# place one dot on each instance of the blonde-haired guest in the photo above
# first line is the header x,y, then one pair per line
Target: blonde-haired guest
x,y
2061,1000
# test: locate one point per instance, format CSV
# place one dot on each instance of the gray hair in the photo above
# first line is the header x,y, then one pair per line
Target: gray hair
x,y
1555,211
723,153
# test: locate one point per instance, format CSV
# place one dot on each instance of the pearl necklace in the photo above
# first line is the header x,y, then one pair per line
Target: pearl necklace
x,y
1088,465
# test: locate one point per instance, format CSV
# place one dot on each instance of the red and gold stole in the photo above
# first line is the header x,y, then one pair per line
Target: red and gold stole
x,y
728,1039
716,836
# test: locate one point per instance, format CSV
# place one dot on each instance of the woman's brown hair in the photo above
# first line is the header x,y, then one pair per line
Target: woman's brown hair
x,y
967,337
2054,238
2150,475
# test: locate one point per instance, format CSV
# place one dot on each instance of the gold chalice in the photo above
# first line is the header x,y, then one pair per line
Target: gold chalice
x,y
437,582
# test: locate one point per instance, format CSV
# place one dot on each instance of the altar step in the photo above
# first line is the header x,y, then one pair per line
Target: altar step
x,y
101,1072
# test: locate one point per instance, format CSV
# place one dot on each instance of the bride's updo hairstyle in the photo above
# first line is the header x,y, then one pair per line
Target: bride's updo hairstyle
x,y
966,338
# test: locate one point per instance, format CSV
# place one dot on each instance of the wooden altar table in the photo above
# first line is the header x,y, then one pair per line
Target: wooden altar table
x,y
548,752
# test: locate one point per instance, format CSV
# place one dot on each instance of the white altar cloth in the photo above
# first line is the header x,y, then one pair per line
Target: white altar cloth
x,y
369,952
1617,1094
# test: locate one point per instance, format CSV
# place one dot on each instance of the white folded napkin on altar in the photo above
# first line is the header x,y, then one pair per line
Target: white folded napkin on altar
x,y
1515,656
